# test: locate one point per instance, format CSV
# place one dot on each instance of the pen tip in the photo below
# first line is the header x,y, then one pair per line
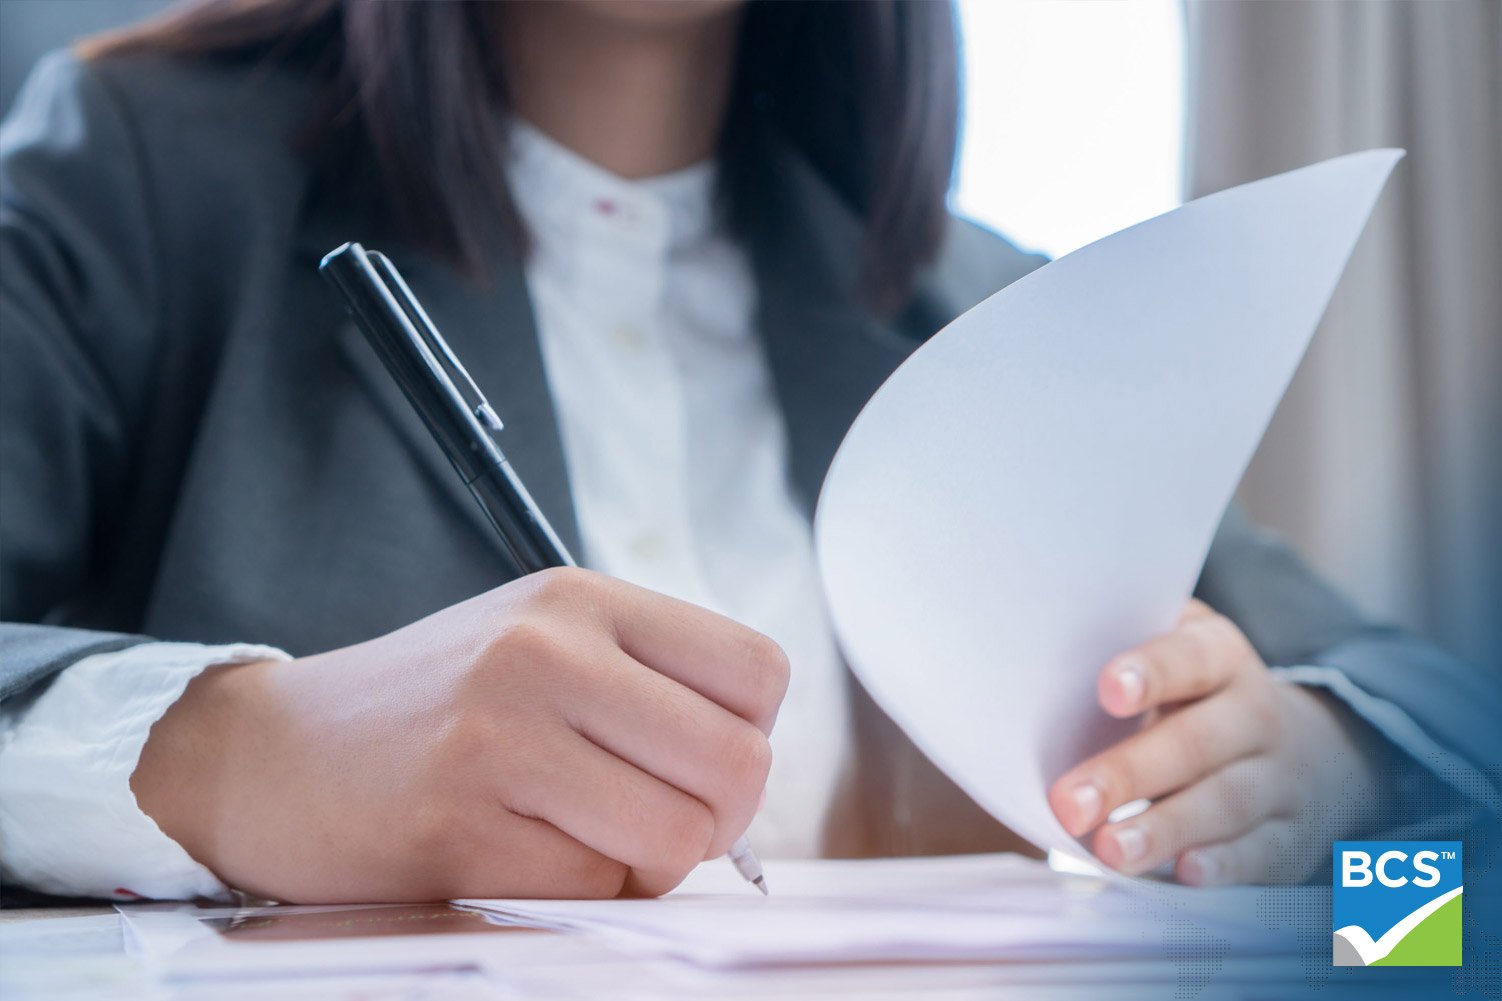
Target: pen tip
x,y
761,884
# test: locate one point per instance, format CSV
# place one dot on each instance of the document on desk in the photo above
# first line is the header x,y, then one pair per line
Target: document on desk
x,y
1036,488
962,908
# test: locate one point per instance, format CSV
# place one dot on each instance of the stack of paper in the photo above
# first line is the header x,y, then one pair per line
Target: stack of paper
x,y
983,907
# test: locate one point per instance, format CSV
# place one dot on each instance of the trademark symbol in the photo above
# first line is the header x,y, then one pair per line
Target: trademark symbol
x,y
1447,855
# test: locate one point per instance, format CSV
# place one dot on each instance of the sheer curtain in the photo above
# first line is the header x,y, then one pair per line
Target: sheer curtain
x,y
1384,463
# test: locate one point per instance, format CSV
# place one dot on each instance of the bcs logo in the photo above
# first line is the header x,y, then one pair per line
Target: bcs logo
x,y
1397,903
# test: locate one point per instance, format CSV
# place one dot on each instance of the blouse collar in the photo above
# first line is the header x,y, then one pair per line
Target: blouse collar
x,y
555,188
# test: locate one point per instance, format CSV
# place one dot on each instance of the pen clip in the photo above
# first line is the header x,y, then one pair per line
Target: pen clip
x,y
474,399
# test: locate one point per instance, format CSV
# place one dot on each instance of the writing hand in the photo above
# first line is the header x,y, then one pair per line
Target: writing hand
x,y
565,735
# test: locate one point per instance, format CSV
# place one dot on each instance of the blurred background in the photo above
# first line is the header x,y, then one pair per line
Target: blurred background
x,y
1384,462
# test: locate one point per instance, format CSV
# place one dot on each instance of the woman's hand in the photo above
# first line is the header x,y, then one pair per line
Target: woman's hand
x,y
566,735
1230,756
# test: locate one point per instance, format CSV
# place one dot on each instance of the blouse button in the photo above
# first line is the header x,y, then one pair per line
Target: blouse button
x,y
649,547
628,337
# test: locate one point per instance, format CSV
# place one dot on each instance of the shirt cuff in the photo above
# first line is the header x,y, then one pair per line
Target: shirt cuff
x,y
1388,719
69,822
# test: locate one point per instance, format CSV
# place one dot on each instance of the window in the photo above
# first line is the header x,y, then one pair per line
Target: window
x,y
1073,116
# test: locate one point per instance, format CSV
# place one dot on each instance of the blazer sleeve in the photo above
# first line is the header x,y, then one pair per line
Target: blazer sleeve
x,y
78,312
1293,618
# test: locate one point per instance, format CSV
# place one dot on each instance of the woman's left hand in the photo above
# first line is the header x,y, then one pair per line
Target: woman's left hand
x,y
1230,757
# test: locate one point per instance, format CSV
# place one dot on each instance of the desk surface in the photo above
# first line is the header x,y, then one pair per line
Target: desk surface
x,y
78,953
44,913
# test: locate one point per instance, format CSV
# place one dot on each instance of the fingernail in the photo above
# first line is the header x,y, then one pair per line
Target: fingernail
x,y
1204,868
1129,677
1131,843
1086,803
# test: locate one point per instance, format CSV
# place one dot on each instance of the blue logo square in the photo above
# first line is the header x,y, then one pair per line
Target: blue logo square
x,y
1396,903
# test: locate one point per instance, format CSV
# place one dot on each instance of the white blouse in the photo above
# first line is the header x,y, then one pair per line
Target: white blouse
x,y
675,446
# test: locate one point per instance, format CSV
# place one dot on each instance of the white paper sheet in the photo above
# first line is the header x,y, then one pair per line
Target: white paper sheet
x,y
969,908
1035,489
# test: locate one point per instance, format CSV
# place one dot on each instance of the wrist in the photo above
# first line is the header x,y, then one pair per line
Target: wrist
x,y
190,768
1345,756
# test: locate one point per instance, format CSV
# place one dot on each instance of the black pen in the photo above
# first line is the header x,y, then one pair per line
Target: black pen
x,y
447,399
460,418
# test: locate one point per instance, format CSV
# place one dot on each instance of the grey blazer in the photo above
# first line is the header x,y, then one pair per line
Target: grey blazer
x,y
196,445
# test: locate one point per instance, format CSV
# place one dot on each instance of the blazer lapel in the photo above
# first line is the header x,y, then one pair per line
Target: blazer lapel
x,y
826,352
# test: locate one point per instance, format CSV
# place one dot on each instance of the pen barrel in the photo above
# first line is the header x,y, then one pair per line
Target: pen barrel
x,y
528,537
434,381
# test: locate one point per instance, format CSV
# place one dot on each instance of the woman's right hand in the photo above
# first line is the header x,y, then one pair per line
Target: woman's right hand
x,y
565,735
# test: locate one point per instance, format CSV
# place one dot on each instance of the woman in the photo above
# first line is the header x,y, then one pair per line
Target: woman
x,y
678,245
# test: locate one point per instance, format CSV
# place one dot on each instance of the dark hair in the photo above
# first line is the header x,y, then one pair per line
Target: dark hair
x,y
866,90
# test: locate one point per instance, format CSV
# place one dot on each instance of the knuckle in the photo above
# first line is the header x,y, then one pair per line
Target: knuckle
x,y
466,738
560,586
1167,678
1116,776
747,761
1164,676
1171,831
528,769
1167,832
770,668
687,831
526,641
1199,657
1192,741
593,876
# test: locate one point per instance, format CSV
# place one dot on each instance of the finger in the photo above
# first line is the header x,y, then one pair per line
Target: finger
x,y
677,735
730,664
1222,807
537,861
616,809
1174,752
1269,853
1204,654
1195,609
